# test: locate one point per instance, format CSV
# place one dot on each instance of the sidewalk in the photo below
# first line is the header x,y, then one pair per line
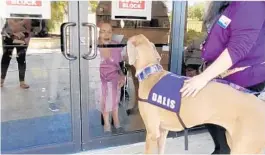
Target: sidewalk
x,y
200,143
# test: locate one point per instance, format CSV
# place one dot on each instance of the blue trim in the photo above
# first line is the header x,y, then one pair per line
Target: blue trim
x,y
177,36
148,71
34,132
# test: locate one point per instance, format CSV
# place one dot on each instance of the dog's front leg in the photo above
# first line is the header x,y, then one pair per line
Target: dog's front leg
x,y
162,141
150,143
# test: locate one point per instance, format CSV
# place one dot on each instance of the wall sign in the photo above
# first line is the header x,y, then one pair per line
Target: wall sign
x,y
132,5
32,9
131,9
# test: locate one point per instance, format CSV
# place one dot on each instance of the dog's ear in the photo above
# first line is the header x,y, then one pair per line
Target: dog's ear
x,y
132,52
157,56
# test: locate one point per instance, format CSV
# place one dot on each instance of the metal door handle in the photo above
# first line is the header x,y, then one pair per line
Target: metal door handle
x,y
94,55
63,29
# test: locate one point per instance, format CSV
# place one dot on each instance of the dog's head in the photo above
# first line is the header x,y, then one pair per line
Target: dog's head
x,y
141,52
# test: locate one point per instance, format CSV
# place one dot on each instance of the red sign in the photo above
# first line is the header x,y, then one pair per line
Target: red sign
x,y
24,2
133,4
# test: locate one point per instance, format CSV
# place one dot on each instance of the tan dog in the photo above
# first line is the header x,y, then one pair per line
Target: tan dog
x,y
243,115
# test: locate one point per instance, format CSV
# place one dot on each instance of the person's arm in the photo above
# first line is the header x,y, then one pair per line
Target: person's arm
x,y
28,26
220,65
13,25
120,61
122,69
245,28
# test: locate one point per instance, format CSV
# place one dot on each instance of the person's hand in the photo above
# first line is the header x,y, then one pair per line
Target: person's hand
x,y
193,85
19,35
121,81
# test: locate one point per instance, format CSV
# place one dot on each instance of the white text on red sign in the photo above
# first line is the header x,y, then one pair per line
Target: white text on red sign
x,y
24,2
131,4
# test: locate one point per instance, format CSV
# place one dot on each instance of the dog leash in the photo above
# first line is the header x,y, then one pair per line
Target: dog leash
x,y
233,85
186,140
156,68
230,72
186,134
145,73
237,87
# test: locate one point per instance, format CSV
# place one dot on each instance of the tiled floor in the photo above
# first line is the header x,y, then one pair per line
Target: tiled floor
x,y
198,144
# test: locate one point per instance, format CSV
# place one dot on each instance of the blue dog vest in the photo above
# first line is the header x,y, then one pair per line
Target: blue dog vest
x,y
166,93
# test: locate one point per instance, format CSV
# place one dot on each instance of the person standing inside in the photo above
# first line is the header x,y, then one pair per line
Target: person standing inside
x,y
15,34
112,78
234,51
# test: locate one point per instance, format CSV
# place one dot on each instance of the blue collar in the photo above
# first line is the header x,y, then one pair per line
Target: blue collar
x,y
148,71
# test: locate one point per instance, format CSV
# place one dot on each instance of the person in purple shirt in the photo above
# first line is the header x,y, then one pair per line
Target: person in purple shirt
x,y
111,78
234,51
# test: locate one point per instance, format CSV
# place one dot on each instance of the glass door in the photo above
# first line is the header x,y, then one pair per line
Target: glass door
x,y
40,87
110,114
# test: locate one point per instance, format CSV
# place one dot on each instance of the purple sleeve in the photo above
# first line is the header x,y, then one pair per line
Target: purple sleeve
x,y
245,28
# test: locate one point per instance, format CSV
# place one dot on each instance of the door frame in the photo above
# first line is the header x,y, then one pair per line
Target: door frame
x,y
75,144
101,142
176,46
78,13
177,36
